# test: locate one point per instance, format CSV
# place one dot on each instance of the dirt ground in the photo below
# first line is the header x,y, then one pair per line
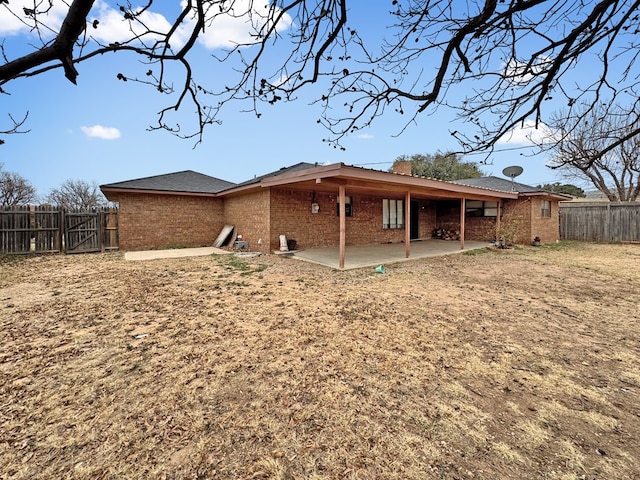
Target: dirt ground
x,y
521,364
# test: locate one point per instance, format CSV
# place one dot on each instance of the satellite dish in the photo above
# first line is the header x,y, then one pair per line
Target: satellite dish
x,y
512,172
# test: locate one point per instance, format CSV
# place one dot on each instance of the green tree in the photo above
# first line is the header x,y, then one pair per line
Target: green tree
x,y
441,166
15,189
565,188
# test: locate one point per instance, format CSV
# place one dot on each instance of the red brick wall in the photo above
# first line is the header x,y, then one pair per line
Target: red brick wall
x,y
291,216
482,229
402,167
427,218
448,215
366,224
517,215
523,215
156,221
250,215
547,228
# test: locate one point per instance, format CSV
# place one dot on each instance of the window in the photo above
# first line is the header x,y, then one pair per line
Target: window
x,y
545,208
348,211
392,213
478,208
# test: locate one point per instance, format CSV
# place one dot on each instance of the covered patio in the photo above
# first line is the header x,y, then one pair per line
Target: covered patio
x,y
343,181
360,256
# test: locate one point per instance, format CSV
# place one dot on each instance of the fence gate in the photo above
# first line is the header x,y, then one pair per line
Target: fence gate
x,y
90,231
81,232
47,229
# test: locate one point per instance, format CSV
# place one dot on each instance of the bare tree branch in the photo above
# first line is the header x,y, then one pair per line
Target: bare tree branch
x,y
76,195
15,189
578,149
61,49
496,64
15,126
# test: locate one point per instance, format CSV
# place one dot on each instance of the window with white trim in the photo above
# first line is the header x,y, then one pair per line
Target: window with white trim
x,y
392,213
545,208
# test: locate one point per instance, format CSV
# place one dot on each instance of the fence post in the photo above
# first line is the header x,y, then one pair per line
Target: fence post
x,y
101,227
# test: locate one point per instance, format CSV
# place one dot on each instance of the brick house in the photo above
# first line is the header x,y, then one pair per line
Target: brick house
x,y
325,205
534,214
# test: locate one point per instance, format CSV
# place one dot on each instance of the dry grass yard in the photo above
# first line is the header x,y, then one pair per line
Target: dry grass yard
x,y
520,364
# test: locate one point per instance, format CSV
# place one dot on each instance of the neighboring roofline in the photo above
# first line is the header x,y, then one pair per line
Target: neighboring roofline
x,y
544,193
300,166
529,192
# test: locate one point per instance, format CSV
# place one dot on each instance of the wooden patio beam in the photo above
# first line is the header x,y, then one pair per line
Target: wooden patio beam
x,y
463,207
343,225
382,189
499,213
407,225
382,182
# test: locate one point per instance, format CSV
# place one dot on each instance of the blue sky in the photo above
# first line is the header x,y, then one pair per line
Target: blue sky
x,y
97,130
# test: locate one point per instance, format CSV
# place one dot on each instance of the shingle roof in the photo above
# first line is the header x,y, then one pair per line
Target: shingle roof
x,y
293,168
501,184
186,181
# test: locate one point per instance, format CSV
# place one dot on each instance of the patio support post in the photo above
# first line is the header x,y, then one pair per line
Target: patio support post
x,y
407,225
343,225
498,215
463,207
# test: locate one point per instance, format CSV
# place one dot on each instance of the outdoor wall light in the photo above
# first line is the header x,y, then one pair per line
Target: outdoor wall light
x,y
315,208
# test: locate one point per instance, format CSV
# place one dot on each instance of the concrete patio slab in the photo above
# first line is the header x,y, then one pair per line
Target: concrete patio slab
x,y
357,256
175,253
384,254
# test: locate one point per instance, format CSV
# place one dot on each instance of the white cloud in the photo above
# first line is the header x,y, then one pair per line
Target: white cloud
x,y
521,73
221,30
527,134
14,20
98,131
238,27
112,26
365,136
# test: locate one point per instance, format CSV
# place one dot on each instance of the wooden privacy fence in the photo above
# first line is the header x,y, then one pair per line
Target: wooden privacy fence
x,y
600,222
45,229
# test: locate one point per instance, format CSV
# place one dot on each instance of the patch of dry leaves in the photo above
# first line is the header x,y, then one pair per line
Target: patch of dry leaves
x,y
512,364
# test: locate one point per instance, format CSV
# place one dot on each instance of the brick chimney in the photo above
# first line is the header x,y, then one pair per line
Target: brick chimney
x,y
403,167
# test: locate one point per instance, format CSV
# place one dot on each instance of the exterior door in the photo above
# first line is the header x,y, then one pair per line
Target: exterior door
x,y
414,220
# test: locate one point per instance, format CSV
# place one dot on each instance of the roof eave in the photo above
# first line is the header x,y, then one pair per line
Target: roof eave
x,y
117,190
556,196
347,172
